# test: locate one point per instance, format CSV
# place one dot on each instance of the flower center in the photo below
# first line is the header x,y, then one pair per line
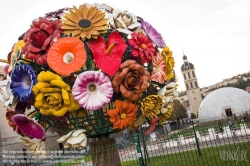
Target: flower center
x,y
26,82
92,87
144,46
110,48
123,116
68,57
84,25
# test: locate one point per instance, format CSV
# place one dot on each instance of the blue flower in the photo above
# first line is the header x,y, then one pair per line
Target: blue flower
x,y
23,78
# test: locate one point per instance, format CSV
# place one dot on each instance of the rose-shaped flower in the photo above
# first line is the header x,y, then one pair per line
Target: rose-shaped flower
x,y
39,38
169,60
5,94
151,105
131,80
53,96
76,139
124,21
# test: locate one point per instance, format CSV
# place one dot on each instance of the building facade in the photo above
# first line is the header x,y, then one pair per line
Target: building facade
x,y
192,86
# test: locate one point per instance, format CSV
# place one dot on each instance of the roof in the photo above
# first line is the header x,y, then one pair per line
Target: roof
x,y
187,66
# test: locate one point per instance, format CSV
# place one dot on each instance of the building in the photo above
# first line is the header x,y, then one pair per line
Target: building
x,y
192,86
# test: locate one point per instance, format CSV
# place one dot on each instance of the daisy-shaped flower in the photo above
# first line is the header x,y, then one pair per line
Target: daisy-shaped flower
x,y
123,115
84,22
23,78
159,68
92,90
152,33
5,94
151,105
66,55
143,47
28,126
124,21
76,139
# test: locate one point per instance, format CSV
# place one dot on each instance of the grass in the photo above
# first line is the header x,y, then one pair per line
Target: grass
x,y
223,155
76,161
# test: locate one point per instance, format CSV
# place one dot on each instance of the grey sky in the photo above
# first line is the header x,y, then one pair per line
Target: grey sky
x,y
215,34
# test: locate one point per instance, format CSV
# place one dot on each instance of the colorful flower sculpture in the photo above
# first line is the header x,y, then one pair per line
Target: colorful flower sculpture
x,y
87,71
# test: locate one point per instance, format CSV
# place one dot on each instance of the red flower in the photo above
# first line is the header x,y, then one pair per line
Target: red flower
x,y
39,38
108,59
143,47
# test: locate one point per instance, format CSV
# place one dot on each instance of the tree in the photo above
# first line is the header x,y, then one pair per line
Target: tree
x,y
179,111
193,116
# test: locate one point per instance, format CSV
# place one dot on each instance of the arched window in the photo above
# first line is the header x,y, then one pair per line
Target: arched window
x,y
193,74
187,86
188,75
184,76
191,84
196,85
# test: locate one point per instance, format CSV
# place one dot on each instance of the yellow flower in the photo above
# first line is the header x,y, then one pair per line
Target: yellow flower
x,y
164,117
53,96
151,105
84,22
169,60
16,54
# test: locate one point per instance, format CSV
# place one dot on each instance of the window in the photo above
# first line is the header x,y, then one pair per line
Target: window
x,y
188,75
187,86
196,85
184,76
191,84
228,112
193,74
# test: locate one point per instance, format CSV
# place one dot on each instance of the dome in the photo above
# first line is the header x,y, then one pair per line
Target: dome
x,y
187,66
224,102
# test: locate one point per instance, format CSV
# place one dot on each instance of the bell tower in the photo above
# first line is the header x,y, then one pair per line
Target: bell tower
x,y
192,86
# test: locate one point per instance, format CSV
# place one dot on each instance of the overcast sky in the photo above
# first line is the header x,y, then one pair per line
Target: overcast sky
x,y
214,34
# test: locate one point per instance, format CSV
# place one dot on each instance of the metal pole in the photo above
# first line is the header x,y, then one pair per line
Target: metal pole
x,y
196,140
138,149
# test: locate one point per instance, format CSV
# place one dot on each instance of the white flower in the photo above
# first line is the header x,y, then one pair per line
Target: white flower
x,y
5,93
36,145
124,21
76,139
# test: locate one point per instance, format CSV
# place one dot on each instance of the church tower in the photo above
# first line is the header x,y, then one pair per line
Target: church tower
x,y
191,83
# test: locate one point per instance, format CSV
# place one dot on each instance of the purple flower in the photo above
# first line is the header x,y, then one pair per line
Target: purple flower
x,y
92,90
23,78
56,14
152,33
28,126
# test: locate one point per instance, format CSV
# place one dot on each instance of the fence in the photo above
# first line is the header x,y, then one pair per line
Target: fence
x,y
200,144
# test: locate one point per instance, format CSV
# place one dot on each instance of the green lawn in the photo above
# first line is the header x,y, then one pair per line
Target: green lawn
x,y
212,156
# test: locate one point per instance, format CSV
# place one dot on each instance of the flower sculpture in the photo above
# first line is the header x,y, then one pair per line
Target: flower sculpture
x,y
87,71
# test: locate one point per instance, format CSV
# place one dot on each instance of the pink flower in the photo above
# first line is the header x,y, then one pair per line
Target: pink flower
x,y
159,68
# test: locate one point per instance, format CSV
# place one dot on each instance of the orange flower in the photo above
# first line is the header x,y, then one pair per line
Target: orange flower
x,y
123,115
67,55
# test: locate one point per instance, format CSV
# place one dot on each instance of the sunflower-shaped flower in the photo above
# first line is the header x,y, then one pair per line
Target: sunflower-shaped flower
x,y
152,33
23,78
85,23
151,105
123,115
66,55
169,60
159,68
142,47
92,90
53,96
